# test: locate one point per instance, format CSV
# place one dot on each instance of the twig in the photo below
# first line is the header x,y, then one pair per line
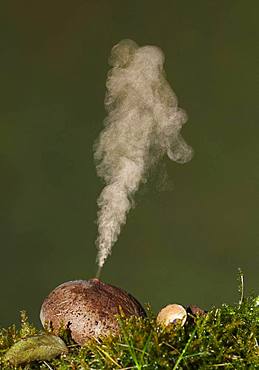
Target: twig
x,y
45,363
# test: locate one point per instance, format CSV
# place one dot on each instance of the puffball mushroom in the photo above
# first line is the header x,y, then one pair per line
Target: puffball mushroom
x,y
87,308
172,314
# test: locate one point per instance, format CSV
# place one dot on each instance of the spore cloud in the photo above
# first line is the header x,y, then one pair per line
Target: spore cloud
x,y
143,124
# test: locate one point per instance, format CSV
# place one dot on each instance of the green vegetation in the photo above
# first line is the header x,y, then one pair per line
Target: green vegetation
x,y
225,338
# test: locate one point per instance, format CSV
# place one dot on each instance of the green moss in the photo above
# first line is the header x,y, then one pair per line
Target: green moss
x,y
225,338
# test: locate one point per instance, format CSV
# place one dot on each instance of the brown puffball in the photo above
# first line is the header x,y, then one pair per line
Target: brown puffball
x,y
88,308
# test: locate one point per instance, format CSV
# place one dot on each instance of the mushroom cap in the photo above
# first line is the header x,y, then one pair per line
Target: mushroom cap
x,y
171,314
88,308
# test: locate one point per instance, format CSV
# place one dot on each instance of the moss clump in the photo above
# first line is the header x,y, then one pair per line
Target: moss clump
x,y
226,337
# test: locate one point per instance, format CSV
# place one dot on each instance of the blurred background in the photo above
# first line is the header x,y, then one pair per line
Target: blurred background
x,y
185,239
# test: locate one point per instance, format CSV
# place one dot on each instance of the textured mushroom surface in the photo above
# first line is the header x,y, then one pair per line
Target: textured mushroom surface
x,y
88,308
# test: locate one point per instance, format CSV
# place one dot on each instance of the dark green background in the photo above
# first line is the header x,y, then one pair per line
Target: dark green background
x,y
183,245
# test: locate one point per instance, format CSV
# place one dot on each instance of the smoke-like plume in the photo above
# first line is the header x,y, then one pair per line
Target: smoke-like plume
x,y
143,124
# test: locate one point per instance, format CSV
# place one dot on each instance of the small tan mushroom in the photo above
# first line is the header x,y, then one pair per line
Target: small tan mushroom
x,y
172,314
88,308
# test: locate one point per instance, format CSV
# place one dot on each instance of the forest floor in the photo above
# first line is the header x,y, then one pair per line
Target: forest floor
x,y
226,337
